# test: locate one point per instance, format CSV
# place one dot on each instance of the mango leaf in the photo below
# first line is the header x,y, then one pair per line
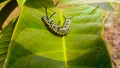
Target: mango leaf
x,y
34,46
104,6
86,1
5,38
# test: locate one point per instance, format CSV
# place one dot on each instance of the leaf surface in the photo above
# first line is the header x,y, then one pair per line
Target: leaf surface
x,y
34,46
5,37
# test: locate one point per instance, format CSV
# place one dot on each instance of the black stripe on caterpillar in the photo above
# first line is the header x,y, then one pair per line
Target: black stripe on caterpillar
x,y
55,29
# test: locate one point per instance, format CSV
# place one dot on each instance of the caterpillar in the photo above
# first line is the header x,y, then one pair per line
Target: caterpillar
x,y
56,29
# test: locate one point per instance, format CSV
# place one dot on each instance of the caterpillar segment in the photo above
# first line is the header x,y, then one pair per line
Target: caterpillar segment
x,y
56,29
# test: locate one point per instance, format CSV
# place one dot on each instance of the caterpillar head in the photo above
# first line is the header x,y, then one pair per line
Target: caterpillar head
x,y
67,21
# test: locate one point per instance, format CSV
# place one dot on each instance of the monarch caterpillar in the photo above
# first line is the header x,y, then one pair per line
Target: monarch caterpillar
x,y
56,29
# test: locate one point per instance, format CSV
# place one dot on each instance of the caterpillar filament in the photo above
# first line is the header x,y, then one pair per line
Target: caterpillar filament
x,y
56,29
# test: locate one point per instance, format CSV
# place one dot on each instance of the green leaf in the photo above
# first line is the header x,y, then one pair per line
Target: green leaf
x,y
34,46
86,1
5,38
21,2
104,6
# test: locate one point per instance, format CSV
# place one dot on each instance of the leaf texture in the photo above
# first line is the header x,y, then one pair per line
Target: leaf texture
x,y
33,46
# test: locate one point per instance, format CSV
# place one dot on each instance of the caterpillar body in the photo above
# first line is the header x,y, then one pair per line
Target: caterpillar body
x,y
56,29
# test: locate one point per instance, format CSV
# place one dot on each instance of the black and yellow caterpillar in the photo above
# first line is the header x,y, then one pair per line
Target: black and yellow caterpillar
x,y
55,29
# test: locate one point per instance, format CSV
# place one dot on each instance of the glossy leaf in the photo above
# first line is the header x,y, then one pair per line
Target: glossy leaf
x,y
34,46
104,6
86,1
5,38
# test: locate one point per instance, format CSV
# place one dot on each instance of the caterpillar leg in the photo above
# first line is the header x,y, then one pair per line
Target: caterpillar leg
x,y
46,11
71,17
52,14
64,17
